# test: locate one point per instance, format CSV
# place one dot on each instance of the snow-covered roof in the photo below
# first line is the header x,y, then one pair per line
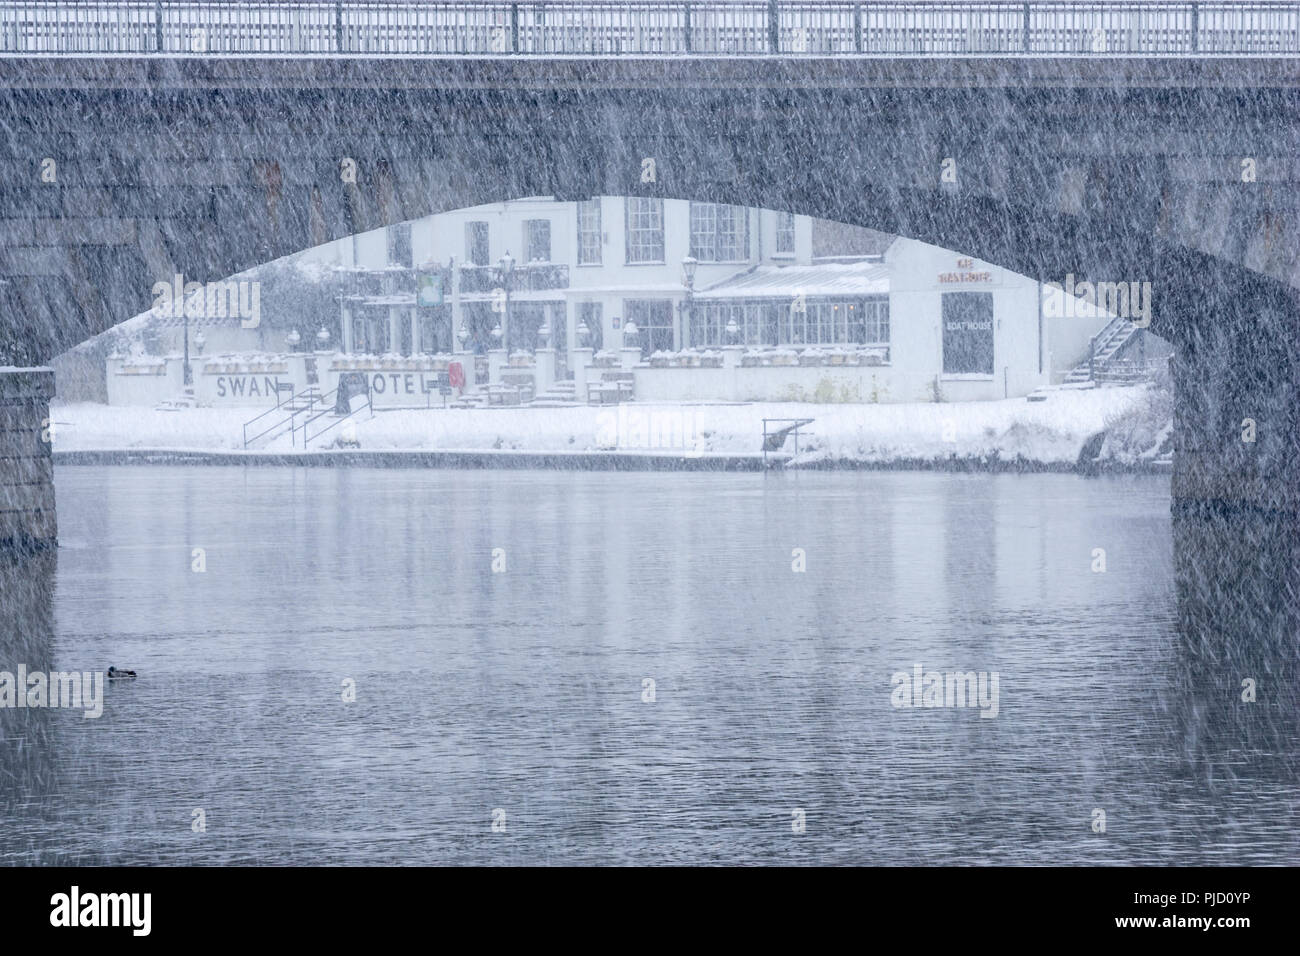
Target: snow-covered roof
x,y
827,279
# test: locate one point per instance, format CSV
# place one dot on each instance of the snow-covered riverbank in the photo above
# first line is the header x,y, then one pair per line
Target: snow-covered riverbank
x,y
1049,433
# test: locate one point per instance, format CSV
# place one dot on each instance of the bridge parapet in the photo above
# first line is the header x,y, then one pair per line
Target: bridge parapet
x,y
936,28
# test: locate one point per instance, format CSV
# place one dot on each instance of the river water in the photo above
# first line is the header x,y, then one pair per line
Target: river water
x,y
506,716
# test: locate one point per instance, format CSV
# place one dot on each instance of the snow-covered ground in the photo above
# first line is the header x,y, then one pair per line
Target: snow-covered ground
x,y
1050,432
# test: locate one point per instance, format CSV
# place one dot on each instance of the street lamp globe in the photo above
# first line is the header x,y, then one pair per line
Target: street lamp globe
x,y
293,338
199,341
689,265
462,333
323,337
496,331
507,263
732,329
583,330
629,329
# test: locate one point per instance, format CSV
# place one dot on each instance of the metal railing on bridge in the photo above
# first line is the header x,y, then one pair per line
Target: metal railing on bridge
x,y
942,28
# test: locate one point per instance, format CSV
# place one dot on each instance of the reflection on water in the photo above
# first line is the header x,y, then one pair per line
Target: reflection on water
x,y
523,690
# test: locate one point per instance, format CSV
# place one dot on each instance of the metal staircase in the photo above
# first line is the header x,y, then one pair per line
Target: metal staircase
x,y
298,415
268,425
1102,349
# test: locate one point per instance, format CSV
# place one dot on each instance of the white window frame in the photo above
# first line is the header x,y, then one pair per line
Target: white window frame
x,y
589,236
644,230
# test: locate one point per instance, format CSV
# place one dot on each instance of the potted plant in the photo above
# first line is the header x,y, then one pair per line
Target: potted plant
x,y
811,357
784,357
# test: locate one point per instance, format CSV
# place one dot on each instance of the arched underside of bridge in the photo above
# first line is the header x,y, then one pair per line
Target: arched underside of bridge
x,y
1112,171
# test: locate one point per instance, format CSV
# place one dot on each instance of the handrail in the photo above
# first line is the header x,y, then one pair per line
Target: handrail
x,y
340,420
583,28
1105,334
279,404
782,433
312,395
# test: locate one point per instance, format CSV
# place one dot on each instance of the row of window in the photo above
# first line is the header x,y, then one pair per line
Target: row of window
x,y
968,327
862,321
719,233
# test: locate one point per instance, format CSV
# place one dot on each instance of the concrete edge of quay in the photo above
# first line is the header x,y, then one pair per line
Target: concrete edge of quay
x,y
580,461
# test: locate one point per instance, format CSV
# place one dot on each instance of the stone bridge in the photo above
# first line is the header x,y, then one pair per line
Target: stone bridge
x,y
1094,149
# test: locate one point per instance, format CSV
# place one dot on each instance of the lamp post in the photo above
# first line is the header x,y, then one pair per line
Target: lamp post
x,y
689,265
544,332
507,266
630,332
199,341
463,334
293,338
584,332
187,376
732,330
322,338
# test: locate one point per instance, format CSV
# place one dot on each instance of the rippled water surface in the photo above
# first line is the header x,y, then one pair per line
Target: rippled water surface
x,y
524,690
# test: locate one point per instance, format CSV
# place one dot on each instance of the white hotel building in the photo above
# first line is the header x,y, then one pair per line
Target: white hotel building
x,y
676,300
779,306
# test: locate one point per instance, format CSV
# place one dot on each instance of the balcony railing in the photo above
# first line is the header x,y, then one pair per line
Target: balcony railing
x,y
527,277
591,28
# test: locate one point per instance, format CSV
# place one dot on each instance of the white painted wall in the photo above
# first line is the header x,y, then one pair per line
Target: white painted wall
x,y
144,381
915,314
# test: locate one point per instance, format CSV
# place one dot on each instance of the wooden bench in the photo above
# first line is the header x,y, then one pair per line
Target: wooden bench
x,y
613,387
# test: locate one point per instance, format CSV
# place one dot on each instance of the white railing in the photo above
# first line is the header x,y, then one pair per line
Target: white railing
x,y
652,27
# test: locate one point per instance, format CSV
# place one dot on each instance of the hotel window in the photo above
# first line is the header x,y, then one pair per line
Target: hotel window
x,y
840,322
719,233
476,243
591,314
784,233
399,244
848,322
755,323
645,230
537,240
654,323
589,244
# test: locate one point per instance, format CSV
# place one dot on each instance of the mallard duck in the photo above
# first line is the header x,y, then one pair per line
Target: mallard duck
x,y
116,673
